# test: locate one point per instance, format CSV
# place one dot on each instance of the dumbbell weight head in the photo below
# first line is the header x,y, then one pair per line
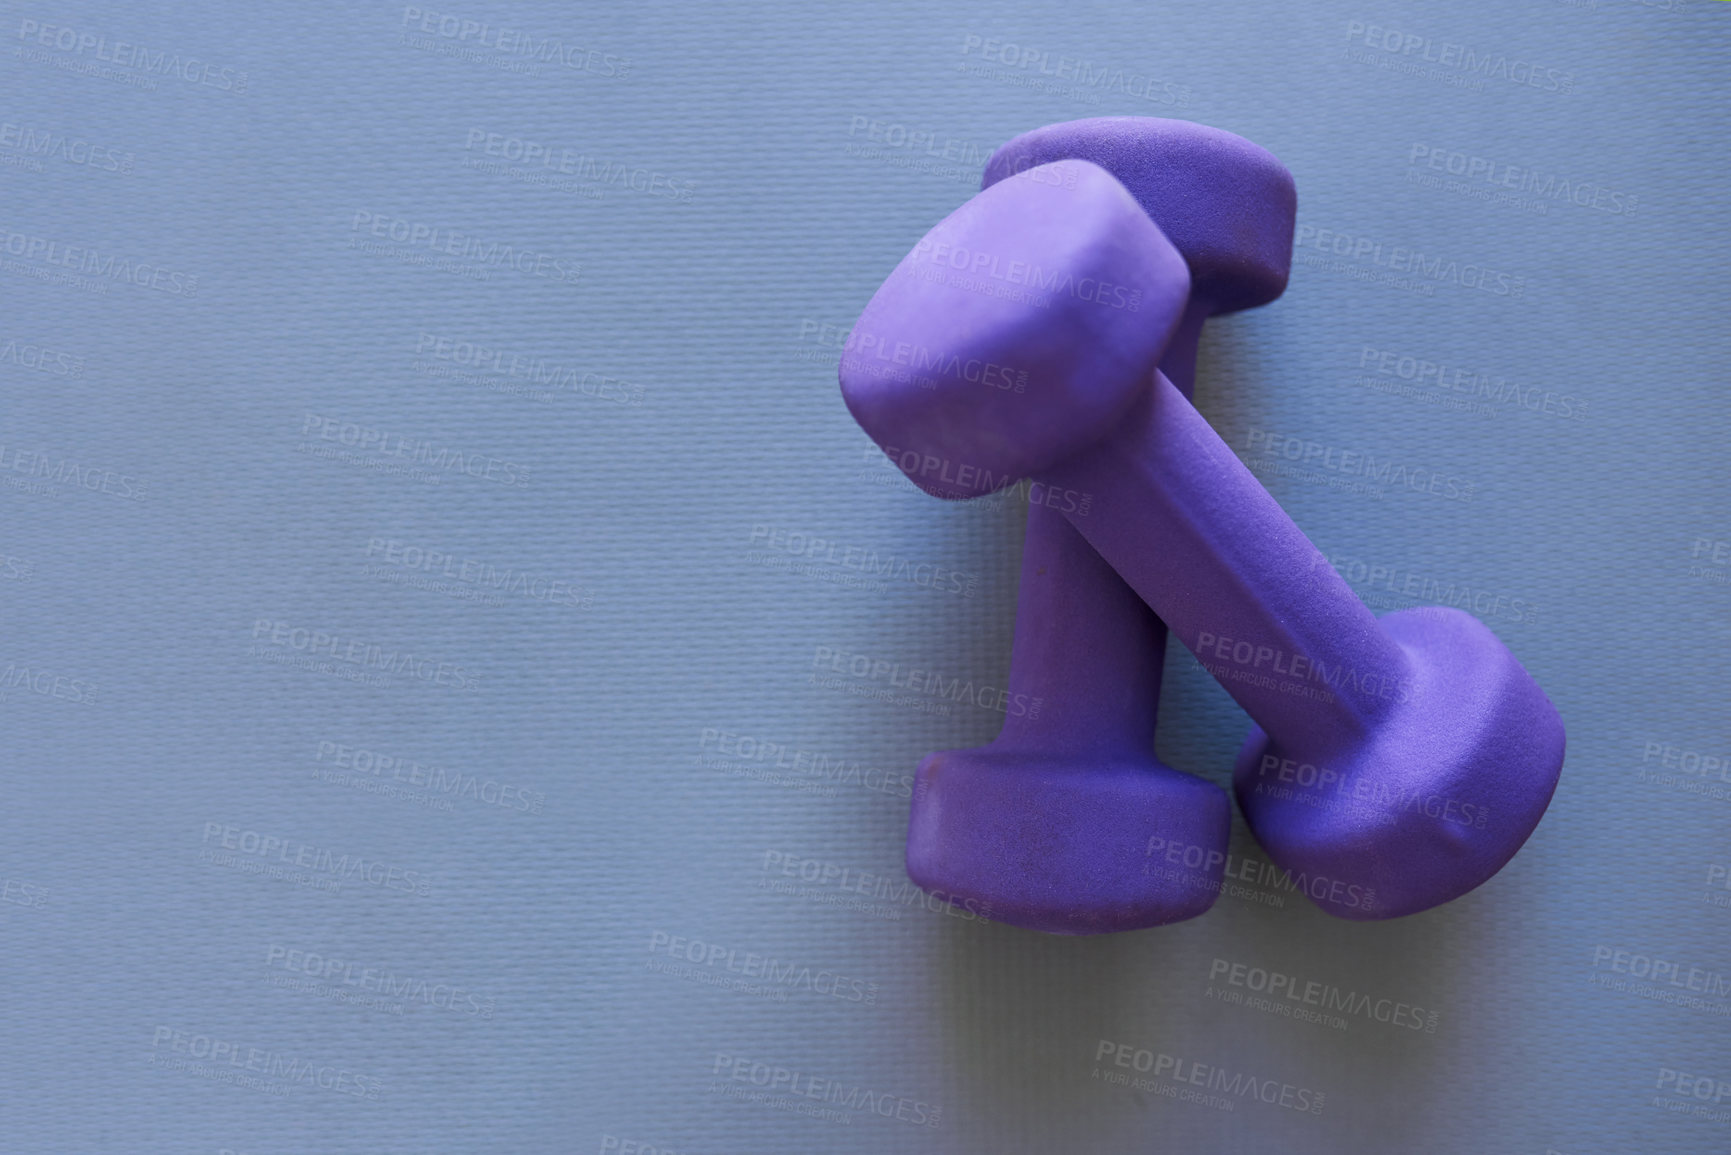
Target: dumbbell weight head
x,y
1066,822
1029,283
1436,798
1225,203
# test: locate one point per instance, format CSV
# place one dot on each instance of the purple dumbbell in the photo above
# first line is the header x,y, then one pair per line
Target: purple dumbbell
x,y
1409,757
1086,645
1050,824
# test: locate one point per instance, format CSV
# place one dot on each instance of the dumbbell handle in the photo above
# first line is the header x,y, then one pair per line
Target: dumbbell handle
x,y
1086,646
1185,523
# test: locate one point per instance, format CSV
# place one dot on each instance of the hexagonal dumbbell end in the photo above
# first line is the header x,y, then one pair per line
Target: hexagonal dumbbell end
x,y
1227,204
1055,283
1066,822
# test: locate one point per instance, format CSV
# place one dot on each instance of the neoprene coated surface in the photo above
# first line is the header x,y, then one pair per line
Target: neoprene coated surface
x,y
463,669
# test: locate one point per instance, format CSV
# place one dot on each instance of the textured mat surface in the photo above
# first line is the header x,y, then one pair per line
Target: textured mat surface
x,y
461,668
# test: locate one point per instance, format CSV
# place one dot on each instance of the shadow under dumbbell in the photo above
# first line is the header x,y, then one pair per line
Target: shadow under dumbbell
x,y
1024,1012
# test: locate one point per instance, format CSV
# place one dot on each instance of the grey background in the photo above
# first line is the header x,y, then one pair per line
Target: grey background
x,y
715,315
